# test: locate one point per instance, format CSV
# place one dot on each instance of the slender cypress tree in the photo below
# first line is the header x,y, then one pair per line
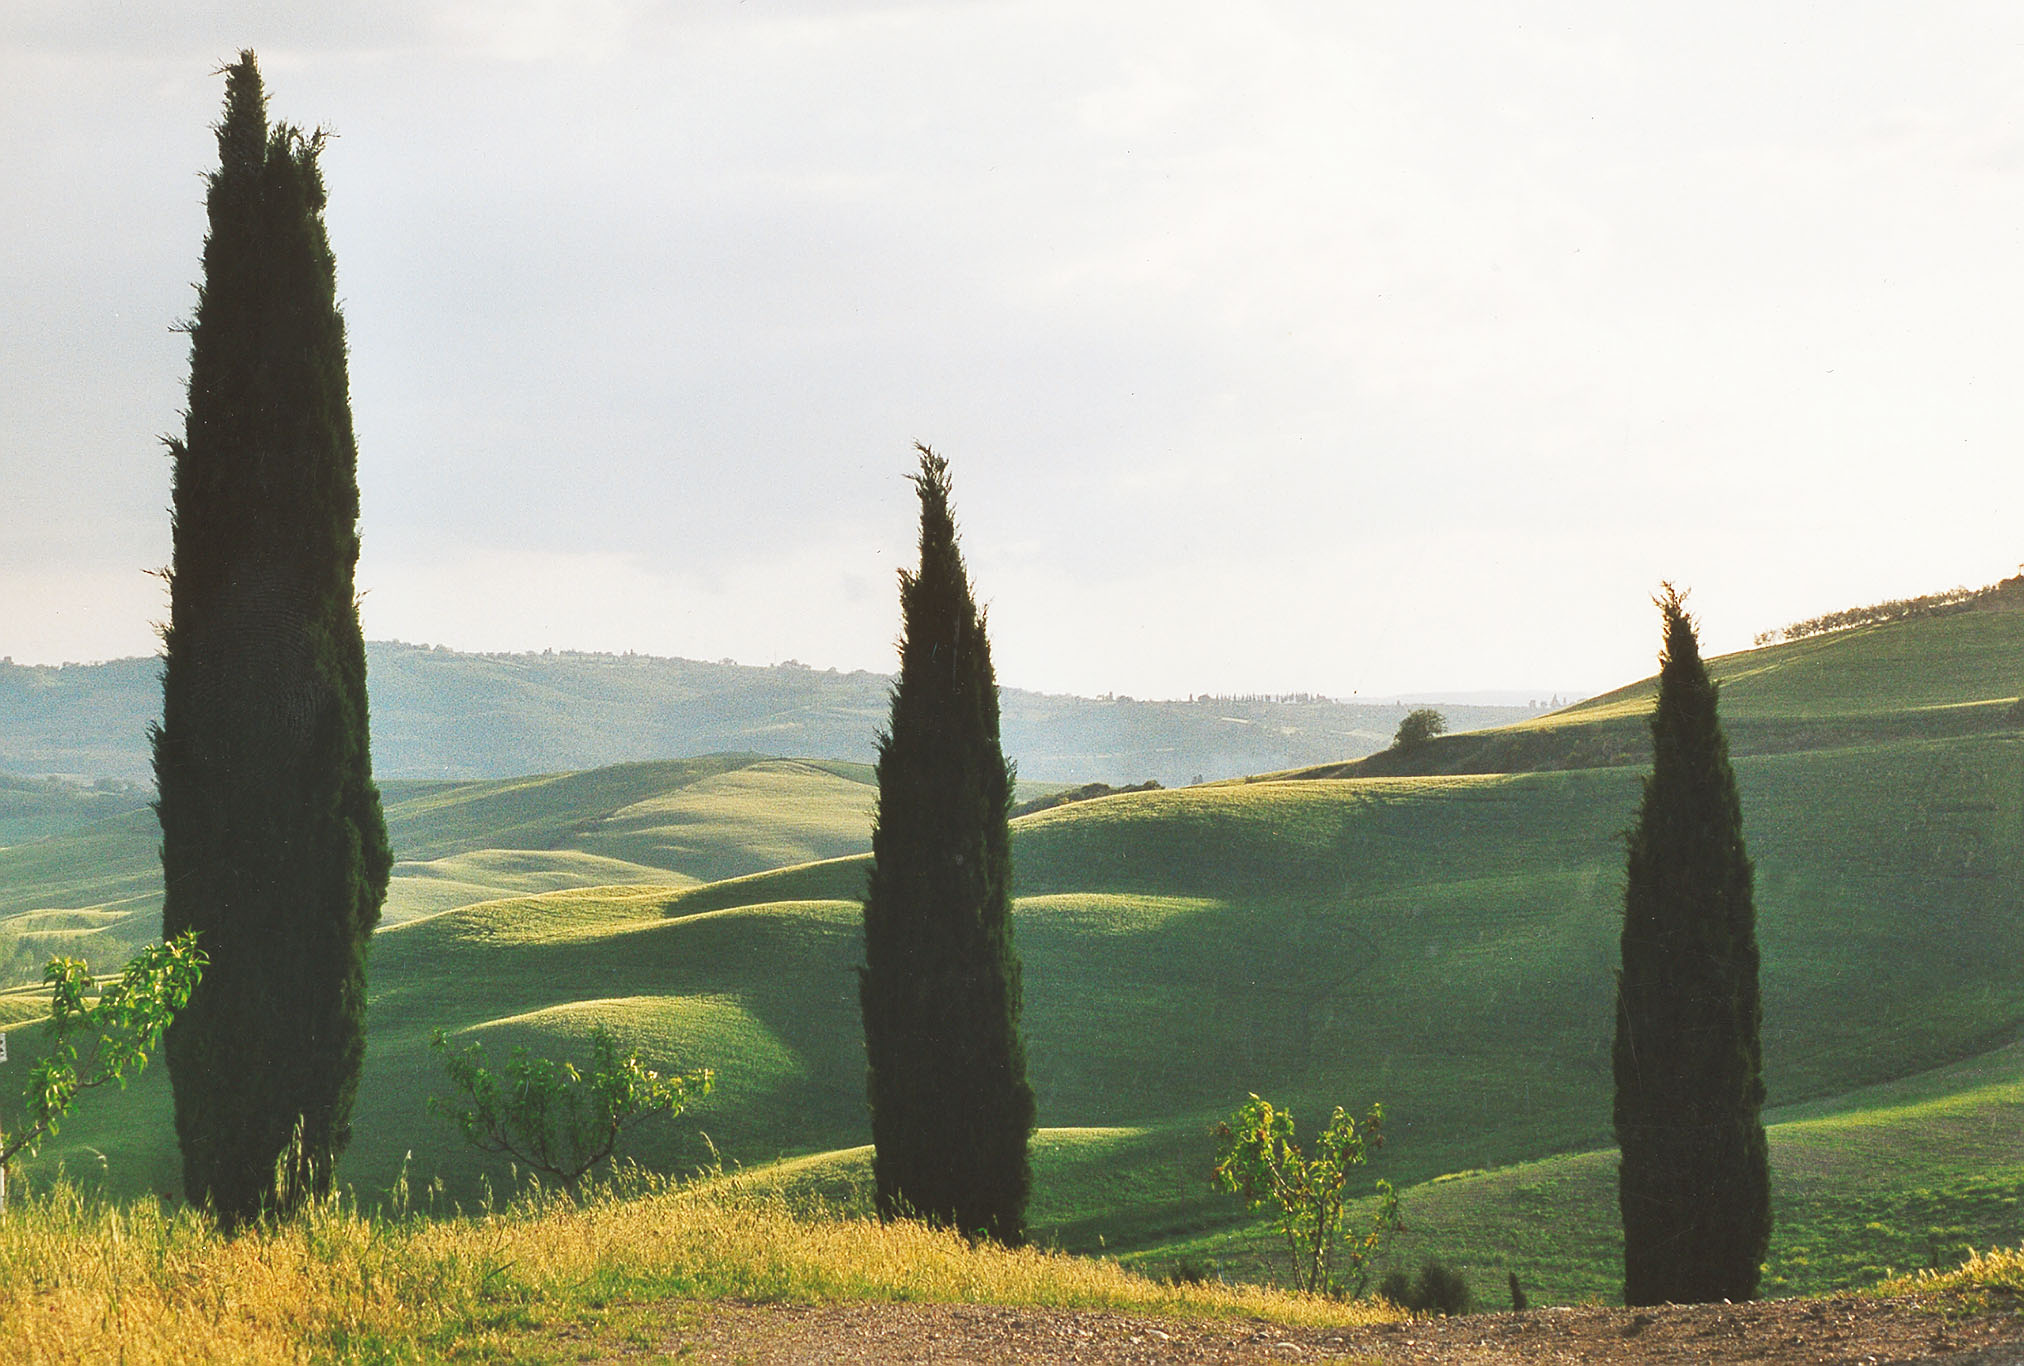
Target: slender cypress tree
x,y
950,1106
273,844
1694,1185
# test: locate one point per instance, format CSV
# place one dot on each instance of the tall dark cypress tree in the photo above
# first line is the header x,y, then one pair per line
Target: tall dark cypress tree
x,y
1694,1185
950,1106
273,844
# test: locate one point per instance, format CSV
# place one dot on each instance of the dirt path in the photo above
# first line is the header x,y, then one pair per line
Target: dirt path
x,y
1779,1332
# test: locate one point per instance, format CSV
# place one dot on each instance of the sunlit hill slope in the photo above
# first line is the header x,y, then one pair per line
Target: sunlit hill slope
x,y
1441,940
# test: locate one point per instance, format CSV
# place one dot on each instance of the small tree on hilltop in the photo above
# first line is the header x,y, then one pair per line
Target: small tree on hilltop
x,y
273,843
951,1110
1419,727
1694,1183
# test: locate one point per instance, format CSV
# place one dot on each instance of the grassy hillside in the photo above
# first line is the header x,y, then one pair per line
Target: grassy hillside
x,y
85,720
1409,941
437,713
719,816
94,888
1441,942
36,808
1904,1176
1926,679
1888,1179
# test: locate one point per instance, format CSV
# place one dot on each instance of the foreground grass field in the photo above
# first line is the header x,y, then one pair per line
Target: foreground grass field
x,y
81,1280
1442,942
1907,1176
1408,940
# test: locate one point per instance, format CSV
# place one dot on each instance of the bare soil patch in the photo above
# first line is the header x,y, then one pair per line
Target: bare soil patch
x,y
1778,1332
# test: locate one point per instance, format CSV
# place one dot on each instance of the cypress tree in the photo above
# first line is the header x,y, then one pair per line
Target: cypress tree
x,y
1694,1185
951,1110
273,844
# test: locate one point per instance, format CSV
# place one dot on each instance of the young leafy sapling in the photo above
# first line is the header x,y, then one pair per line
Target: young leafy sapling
x,y
549,1116
1258,1159
93,1042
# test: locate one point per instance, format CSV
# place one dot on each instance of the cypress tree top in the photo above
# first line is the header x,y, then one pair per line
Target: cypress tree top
x,y
1694,1184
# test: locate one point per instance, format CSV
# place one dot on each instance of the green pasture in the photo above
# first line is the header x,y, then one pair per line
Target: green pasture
x,y
1931,678
1893,1178
35,808
1442,943
93,886
1917,665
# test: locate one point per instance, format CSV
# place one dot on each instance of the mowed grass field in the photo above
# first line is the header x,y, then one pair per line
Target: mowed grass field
x,y
1441,942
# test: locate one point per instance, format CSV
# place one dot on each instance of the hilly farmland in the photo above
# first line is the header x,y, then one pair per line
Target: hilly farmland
x,y
1439,939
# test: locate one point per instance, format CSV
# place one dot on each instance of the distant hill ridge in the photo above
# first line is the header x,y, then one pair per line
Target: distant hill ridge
x,y
440,713
1963,599
1950,668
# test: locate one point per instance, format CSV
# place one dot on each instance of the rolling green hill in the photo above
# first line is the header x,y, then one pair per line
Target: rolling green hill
x,y
1441,941
1900,1176
94,889
35,808
1928,678
1887,1179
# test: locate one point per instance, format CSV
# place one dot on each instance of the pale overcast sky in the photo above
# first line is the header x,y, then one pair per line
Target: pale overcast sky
x,y
1349,348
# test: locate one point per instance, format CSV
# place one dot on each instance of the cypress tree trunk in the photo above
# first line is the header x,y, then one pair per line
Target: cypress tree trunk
x,y
273,844
951,1110
1694,1185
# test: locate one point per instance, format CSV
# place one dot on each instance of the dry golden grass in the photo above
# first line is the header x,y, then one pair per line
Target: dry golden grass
x,y
82,1281
2000,1270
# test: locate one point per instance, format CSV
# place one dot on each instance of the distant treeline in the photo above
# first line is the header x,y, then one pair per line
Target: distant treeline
x,y
439,713
1898,609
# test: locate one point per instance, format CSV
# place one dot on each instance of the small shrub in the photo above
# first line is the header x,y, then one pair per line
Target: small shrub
x,y
1190,1271
548,1115
1258,1159
1439,1289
